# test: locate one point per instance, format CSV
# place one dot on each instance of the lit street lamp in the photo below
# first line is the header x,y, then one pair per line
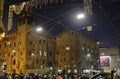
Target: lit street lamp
x,y
39,29
80,16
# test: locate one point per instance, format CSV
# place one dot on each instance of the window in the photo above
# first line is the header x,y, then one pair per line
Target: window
x,y
36,61
60,66
64,58
57,52
14,62
30,53
72,59
14,44
60,60
20,70
44,41
10,44
40,53
8,54
20,43
14,53
28,33
14,70
45,53
50,53
30,58
5,45
19,33
83,48
88,49
21,53
39,41
43,62
31,42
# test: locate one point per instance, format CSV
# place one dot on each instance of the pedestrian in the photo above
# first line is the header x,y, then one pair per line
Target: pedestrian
x,y
59,76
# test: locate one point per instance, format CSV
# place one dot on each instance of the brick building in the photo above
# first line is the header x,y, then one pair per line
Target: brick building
x,y
26,50
76,51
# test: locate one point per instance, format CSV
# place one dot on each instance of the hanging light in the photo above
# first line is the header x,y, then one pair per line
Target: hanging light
x,y
89,28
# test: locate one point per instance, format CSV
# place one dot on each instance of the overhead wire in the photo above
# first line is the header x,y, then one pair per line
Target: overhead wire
x,y
111,1
56,21
55,18
108,19
112,25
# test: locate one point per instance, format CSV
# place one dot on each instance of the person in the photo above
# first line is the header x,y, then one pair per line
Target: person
x,y
59,76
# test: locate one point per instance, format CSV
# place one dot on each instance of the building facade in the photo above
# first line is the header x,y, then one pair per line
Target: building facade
x,y
76,51
25,50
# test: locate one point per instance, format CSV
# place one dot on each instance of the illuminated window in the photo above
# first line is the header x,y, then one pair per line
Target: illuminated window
x,y
40,53
31,42
45,53
10,45
83,48
88,49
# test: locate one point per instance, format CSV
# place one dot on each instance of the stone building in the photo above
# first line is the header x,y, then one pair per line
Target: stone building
x,y
76,51
25,50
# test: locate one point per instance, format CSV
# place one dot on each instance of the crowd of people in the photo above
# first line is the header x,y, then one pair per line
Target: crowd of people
x,y
45,76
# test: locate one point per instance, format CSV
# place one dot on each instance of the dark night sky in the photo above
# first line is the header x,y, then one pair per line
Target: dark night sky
x,y
105,20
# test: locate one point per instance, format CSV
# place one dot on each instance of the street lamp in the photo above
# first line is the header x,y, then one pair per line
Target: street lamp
x,y
39,29
80,16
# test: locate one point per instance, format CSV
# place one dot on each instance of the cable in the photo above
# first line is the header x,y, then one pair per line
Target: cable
x,y
108,20
114,29
57,21
111,1
60,6
54,19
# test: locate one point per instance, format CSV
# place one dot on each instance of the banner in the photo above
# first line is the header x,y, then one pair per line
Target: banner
x,y
105,61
